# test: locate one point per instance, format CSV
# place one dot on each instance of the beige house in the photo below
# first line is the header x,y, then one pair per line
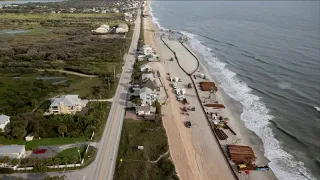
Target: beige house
x,y
66,104
145,110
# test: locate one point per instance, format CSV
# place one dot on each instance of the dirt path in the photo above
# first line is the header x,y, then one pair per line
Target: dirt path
x,y
68,72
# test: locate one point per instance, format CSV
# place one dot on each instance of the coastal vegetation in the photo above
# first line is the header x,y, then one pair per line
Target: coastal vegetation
x,y
151,162
68,156
40,58
65,128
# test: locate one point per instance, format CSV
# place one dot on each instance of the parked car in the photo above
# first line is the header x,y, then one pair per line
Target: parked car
x,y
39,151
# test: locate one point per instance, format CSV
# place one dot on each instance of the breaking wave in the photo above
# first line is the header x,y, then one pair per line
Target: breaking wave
x,y
255,114
154,19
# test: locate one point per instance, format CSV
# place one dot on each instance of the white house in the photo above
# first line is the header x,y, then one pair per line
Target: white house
x,y
66,104
153,57
4,120
122,28
147,50
145,110
145,67
147,96
29,137
146,76
104,28
142,57
13,151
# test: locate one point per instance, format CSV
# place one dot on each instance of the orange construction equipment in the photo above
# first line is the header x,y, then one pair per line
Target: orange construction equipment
x,y
216,106
208,86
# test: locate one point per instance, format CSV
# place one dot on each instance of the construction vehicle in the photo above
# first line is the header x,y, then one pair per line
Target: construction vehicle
x,y
187,124
184,109
184,101
191,108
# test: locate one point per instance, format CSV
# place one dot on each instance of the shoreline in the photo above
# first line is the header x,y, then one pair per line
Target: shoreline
x,y
244,136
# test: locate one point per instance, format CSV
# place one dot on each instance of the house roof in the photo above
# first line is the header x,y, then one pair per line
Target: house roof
x,y
146,66
67,100
145,90
146,108
11,149
4,118
149,84
150,117
147,76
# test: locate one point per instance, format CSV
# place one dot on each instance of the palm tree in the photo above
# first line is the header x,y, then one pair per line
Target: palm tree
x,y
5,160
74,159
14,162
65,160
30,161
57,161
49,162
62,129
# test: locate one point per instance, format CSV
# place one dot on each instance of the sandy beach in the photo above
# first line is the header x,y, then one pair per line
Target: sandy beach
x,y
196,152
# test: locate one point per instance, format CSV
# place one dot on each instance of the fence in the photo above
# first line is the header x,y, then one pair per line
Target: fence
x,y
51,167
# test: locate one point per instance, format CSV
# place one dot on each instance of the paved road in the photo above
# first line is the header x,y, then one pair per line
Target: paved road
x,y
108,151
104,165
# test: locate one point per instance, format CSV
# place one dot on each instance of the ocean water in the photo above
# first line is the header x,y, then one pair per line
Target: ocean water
x,y
266,57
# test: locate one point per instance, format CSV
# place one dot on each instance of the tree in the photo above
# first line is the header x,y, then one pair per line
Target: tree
x,y
14,162
49,162
5,160
136,100
19,132
39,168
65,160
57,161
157,105
74,159
62,129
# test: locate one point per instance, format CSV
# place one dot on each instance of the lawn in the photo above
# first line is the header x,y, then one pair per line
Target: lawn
x,y
42,142
71,152
134,164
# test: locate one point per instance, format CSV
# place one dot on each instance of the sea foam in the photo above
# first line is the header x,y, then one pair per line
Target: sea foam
x,y
255,115
154,19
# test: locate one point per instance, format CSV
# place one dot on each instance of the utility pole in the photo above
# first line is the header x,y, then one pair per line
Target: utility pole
x,y
114,73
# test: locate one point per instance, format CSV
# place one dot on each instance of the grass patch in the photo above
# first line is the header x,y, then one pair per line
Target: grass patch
x,y
103,118
42,142
59,16
135,163
71,152
25,93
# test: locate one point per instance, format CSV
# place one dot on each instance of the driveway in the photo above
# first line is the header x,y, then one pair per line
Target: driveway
x,y
54,150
